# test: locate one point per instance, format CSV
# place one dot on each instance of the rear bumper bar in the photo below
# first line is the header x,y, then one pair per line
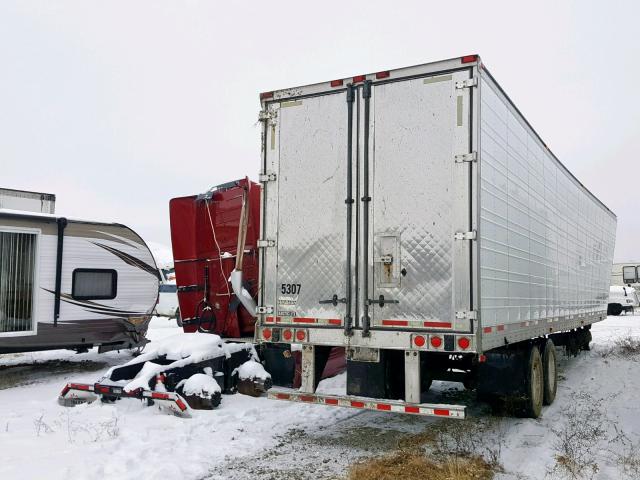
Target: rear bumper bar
x,y
380,405
76,393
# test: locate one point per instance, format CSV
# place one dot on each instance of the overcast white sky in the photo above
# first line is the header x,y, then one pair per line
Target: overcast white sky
x,y
118,106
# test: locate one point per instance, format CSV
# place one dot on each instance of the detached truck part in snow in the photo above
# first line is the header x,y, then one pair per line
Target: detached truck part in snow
x,y
415,217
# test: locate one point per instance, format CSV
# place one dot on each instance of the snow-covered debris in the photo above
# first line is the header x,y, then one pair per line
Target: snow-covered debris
x,y
252,370
201,385
182,350
141,380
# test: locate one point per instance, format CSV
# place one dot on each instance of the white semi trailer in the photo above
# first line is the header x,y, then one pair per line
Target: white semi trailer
x,y
416,218
28,201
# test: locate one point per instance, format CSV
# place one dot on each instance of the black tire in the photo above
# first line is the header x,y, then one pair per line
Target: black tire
x,y
550,370
614,309
178,318
534,376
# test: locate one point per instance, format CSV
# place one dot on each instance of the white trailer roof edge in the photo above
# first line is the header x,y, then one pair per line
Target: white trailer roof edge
x,y
444,66
332,86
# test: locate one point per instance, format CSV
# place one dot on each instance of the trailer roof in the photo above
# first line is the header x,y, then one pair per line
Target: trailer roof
x,y
441,66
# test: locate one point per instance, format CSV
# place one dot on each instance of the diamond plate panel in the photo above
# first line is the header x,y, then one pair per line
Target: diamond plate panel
x,y
311,244
413,197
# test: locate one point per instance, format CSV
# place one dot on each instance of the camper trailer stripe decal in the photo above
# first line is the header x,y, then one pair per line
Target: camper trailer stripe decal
x,y
130,259
94,307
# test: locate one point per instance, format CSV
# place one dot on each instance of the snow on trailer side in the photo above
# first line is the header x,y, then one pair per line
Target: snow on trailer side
x,y
415,210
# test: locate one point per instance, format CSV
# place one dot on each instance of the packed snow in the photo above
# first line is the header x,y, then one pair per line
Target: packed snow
x,y
251,370
201,385
249,437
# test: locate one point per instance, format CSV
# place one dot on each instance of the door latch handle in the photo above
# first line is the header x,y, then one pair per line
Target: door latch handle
x,y
381,301
334,301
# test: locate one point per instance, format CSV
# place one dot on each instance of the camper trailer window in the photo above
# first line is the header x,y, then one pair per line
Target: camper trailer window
x,y
94,284
17,279
629,274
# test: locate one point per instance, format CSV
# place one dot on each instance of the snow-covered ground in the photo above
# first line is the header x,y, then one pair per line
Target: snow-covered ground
x,y
258,438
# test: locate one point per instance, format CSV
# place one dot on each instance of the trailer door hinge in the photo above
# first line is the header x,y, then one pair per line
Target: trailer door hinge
x,y
468,83
466,315
266,243
466,157
465,235
264,309
268,115
267,177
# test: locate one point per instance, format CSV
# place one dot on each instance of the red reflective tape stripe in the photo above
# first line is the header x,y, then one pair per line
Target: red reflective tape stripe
x,y
307,398
486,329
181,404
331,401
500,328
437,411
283,396
383,406
269,319
304,320
334,321
409,409
160,396
79,386
357,404
395,323
438,324
101,389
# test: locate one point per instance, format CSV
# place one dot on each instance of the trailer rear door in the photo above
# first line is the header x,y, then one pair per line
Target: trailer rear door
x,y
306,148
419,200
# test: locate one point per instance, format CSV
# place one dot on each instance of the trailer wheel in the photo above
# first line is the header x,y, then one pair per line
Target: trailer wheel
x,y
550,368
534,394
614,309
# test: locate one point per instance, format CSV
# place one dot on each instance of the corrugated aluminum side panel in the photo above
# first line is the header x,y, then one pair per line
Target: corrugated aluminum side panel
x,y
546,244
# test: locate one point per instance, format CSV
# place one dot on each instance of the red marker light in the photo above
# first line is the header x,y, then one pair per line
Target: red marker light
x,y
436,342
300,335
359,78
384,74
337,83
266,333
463,343
419,340
287,335
266,95
469,58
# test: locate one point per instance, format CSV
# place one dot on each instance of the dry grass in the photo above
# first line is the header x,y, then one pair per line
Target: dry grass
x,y
627,347
448,451
414,466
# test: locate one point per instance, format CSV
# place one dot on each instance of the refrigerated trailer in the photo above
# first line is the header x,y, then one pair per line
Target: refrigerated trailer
x,y
416,218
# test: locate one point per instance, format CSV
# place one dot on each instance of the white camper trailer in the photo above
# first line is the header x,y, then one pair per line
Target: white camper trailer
x,y
72,284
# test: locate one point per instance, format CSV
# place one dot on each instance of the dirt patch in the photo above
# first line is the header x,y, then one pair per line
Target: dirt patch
x,y
28,373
